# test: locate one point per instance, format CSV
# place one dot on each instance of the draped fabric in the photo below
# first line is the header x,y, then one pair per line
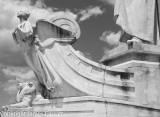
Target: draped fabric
x,y
38,60
138,18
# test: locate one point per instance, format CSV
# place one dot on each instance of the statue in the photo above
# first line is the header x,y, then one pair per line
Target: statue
x,y
34,52
139,20
25,95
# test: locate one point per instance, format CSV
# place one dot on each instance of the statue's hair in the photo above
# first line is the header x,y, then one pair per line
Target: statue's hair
x,y
23,13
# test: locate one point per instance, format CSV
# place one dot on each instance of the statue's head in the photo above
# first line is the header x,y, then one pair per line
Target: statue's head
x,y
23,14
26,87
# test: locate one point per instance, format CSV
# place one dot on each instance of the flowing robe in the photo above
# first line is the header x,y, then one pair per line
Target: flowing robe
x,y
138,18
36,58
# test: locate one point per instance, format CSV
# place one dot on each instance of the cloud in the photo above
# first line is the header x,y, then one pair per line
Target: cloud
x,y
40,4
19,73
9,21
91,11
111,39
14,75
8,50
111,2
38,10
10,87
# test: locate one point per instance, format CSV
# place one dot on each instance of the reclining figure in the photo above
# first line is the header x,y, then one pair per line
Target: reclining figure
x,y
25,95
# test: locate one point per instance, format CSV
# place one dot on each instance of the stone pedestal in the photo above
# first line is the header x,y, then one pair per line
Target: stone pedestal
x,y
139,58
84,107
143,60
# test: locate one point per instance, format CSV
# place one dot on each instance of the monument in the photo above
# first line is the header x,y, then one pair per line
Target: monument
x,y
139,20
124,84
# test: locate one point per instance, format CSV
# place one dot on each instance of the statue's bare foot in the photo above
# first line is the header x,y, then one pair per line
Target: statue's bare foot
x,y
134,39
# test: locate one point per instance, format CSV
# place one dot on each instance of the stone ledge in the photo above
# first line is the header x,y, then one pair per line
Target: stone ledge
x,y
87,106
90,98
136,63
132,51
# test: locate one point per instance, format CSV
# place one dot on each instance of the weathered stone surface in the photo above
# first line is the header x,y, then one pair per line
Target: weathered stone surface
x,y
89,89
25,95
79,76
143,60
86,107
132,52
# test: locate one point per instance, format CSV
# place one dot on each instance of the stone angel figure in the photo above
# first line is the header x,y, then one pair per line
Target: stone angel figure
x,y
33,51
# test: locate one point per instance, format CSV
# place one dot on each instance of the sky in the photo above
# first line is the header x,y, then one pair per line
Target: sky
x,y
99,33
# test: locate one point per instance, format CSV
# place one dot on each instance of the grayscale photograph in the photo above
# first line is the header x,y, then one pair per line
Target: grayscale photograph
x,y
79,58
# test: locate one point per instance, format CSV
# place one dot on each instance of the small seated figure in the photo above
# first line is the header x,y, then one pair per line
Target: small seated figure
x,y
25,95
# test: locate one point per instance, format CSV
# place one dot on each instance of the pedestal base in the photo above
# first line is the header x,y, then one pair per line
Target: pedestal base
x,y
84,107
143,60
